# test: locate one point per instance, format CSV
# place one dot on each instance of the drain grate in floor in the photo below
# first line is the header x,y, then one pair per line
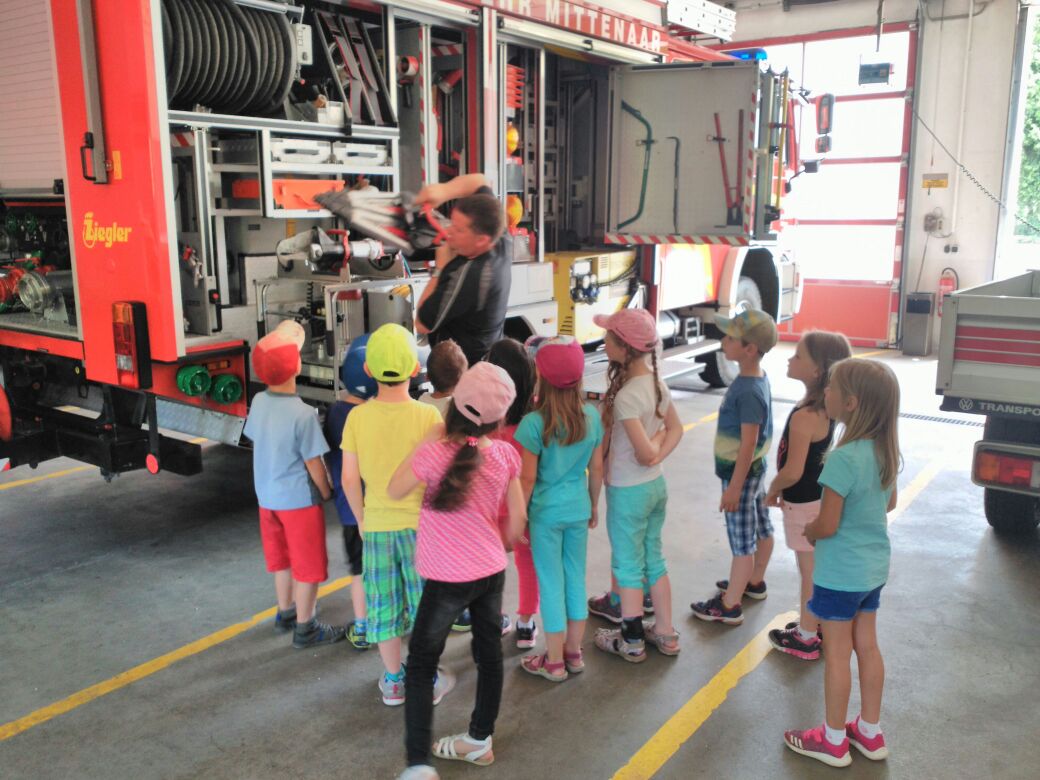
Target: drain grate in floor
x,y
950,420
909,416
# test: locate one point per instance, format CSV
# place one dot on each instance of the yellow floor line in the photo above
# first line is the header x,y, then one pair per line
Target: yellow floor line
x,y
684,724
913,490
87,695
704,419
31,480
875,353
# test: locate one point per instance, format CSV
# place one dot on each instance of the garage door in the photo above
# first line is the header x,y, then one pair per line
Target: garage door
x,y
845,223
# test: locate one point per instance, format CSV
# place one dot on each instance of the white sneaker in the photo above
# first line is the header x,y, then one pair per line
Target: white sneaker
x,y
419,772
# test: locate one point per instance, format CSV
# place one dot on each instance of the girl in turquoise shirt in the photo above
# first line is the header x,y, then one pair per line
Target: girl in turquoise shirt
x,y
852,556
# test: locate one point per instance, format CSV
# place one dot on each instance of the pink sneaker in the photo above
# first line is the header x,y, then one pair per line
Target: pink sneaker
x,y
813,743
873,748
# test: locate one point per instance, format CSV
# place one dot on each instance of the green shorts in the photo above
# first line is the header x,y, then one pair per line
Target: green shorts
x,y
392,583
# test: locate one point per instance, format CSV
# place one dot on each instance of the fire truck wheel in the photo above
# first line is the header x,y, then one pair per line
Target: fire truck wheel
x,y
719,372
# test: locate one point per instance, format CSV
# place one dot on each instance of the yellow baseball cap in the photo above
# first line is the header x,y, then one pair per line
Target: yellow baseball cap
x,y
753,326
392,354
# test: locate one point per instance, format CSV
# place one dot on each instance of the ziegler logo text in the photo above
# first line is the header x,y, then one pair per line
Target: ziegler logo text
x,y
107,235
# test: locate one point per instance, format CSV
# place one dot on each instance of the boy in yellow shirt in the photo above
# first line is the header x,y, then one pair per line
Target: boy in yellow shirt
x,y
377,437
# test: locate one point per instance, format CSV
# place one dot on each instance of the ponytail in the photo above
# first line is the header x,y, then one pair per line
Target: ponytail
x,y
458,479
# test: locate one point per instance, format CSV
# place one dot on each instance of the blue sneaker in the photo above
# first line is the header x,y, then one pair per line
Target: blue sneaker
x,y
715,611
463,622
605,607
358,637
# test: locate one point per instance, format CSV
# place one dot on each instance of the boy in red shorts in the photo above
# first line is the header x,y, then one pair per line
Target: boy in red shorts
x,y
291,485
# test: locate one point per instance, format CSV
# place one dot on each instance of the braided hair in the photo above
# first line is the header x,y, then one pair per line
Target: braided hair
x,y
617,376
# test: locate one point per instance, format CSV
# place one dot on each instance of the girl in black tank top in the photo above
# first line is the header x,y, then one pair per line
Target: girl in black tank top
x,y
807,488
799,496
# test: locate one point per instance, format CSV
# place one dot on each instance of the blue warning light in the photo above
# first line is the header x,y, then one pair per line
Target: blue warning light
x,y
748,54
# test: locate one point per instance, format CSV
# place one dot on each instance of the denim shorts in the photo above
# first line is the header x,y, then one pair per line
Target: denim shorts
x,y
829,604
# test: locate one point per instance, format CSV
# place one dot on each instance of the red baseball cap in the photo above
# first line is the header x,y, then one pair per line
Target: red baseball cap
x,y
635,327
484,393
276,358
560,361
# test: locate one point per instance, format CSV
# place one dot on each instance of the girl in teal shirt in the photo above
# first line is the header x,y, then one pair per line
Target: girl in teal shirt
x,y
852,556
561,440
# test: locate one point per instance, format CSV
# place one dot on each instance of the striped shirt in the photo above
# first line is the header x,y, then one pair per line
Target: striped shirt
x,y
464,544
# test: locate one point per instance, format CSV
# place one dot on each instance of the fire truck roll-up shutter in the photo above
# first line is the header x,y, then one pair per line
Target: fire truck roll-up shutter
x,y
434,11
31,153
531,31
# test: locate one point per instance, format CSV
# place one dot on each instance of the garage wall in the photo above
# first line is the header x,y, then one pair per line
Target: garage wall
x,y
942,54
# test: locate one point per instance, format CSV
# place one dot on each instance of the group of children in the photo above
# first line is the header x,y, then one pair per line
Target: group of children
x,y
506,455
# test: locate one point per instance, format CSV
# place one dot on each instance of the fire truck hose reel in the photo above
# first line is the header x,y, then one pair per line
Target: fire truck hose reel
x,y
193,380
227,57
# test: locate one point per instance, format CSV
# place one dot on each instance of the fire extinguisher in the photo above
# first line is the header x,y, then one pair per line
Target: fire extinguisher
x,y
948,282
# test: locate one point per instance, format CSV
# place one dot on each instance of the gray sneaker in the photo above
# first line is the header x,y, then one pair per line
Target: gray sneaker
x,y
394,690
313,633
610,640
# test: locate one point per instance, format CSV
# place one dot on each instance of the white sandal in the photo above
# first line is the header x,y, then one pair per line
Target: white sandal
x,y
667,644
482,756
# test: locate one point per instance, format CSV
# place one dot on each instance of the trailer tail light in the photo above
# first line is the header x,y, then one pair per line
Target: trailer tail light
x,y
132,351
1014,468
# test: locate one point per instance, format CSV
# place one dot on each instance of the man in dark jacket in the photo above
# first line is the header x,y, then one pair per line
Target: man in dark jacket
x,y
467,297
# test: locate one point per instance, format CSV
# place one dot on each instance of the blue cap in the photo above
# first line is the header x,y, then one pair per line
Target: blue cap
x,y
352,371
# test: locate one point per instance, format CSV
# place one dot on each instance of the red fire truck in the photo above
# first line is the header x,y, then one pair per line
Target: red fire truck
x,y
173,221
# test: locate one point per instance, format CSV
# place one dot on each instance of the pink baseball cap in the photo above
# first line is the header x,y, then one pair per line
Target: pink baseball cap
x,y
635,327
560,360
484,393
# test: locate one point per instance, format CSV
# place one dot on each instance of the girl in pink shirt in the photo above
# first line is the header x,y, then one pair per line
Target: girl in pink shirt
x,y
513,357
460,554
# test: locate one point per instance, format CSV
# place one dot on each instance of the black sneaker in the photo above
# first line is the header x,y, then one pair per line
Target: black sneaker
x,y
714,611
526,635
795,624
790,641
648,604
313,633
751,590
285,622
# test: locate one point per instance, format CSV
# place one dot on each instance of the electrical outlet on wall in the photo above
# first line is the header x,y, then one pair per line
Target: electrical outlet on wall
x,y
932,222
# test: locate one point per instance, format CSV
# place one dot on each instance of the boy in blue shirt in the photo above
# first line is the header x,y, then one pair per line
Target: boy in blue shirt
x,y
359,387
291,484
742,442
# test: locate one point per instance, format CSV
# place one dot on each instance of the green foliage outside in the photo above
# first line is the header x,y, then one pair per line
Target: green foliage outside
x,y
1029,174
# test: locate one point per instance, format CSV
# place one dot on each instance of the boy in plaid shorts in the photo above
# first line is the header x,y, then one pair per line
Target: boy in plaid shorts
x,y
378,435
741,444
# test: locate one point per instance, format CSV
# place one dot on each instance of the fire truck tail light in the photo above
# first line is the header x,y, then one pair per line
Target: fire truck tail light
x,y
132,351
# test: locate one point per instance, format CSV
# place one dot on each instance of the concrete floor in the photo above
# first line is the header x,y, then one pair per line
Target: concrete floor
x,y
96,579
